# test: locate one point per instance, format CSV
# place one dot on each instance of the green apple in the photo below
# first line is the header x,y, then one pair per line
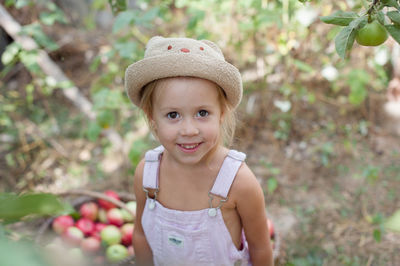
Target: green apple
x,y
110,235
116,252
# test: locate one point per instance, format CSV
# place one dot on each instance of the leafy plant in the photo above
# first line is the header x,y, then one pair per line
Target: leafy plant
x,y
368,27
15,207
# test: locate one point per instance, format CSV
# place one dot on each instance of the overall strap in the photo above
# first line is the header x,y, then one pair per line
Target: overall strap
x,y
227,173
151,165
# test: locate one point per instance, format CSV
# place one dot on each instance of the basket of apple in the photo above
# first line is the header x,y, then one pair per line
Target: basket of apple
x,y
98,233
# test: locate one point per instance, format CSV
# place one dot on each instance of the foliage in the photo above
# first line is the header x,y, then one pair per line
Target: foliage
x,y
16,207
379,10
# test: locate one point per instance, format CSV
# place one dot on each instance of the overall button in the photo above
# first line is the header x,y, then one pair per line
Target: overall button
x,y
212,212
152,204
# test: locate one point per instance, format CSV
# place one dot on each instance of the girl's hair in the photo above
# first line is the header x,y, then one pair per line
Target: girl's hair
x,y
229,121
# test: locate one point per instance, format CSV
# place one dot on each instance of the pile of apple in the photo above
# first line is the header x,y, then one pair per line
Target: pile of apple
x,y
102,230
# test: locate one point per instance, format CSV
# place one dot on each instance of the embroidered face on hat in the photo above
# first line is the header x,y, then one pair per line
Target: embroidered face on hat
x,y
174,57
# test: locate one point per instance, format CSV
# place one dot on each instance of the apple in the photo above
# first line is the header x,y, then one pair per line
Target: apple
x,y
85,225
89,210
73,235
97,229
111,235
131,251
61,223
116,253
106,204
102,215
128,216
127,231
271,228
114,216
90,244
131,206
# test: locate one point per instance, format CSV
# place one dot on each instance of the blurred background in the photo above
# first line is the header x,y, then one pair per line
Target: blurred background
x,y
322,133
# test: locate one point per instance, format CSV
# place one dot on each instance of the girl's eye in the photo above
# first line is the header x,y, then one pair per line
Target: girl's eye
x,y
202,113
173,115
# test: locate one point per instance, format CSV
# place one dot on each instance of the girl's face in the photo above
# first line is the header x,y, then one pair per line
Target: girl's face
x,y
186,117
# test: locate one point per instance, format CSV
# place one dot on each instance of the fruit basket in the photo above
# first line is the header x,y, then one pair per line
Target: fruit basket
x,y
110,205
98,234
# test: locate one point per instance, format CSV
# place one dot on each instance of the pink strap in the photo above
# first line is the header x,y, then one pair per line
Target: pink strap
x,y
227,173
150,171
222,184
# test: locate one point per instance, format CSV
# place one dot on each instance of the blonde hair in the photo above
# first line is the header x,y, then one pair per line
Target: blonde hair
x,y
228,124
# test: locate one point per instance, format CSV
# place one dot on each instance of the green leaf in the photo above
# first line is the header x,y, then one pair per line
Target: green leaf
x,y
15,207
49,18
272,184
126,49
20,253
35,30
117,5
93,131
394,31
123,20
340,18
358,80
392,3
10,53
381,17
149,15
303,66
377,235
394,16
393,222
345,39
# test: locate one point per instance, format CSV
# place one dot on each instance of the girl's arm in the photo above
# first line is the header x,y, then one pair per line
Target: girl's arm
x,y
143,253
250,203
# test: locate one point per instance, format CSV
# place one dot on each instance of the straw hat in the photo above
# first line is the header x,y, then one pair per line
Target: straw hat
x,y
173,57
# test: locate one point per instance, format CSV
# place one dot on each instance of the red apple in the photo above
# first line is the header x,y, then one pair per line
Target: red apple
x,y
61,223
73,235
111,235
271,228
85,225
106,204
99,226
90,244
127,231
89,210
115,217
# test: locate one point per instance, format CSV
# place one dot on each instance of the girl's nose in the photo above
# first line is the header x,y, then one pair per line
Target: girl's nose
x,y
189,128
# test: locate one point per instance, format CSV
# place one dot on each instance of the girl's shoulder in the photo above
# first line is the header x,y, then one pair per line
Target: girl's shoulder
x,y
245,183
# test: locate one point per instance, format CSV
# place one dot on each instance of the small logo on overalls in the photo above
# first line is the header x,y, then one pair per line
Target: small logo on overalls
x,y
176,241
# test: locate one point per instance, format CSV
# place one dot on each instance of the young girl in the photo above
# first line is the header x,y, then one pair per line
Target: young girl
x,y
197,201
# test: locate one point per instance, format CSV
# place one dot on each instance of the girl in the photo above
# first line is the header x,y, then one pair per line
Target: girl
x,y
197,202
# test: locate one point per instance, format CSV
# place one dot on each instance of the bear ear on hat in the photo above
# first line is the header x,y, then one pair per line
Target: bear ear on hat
x,y
213,46
154,39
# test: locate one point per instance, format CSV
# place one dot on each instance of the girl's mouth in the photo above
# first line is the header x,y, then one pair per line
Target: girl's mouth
x,y
192,147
